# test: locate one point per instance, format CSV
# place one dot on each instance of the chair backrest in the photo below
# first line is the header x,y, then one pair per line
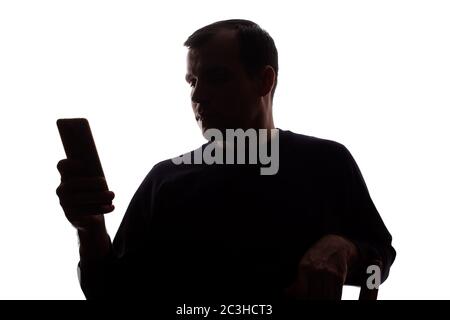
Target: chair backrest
x,y
368,294
365,292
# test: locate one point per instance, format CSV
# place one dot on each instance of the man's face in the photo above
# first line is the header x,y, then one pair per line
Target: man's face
x,y
223,95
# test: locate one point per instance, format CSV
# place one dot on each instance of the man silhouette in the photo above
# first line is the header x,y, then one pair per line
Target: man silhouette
x,y
212,232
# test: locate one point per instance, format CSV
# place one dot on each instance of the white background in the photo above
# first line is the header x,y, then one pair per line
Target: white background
x,y
373,75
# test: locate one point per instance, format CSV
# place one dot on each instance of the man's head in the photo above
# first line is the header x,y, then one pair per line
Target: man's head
x,y
232,67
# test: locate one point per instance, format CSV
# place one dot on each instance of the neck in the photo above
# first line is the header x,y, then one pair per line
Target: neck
x,y
264,119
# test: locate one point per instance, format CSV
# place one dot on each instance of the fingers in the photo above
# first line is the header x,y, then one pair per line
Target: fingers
x,y
322,270
86,199
323,286
314,284
82,196
82,184
83,211
69,168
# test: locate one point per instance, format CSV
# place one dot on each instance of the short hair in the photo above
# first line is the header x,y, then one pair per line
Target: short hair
x,y
256,47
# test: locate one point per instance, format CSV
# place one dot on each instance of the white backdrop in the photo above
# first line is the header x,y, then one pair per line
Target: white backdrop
x,y
373,75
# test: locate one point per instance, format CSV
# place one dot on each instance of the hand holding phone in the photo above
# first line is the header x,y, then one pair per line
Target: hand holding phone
x,y
83,191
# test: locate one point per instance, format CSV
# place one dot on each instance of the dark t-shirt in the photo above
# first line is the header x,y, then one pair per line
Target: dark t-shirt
x,y
198,232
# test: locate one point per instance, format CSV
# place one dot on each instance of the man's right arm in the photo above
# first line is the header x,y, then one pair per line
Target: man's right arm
x,y
95,243
96,261
85,200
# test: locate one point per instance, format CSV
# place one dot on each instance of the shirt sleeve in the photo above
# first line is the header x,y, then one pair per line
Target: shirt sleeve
x,y
363,225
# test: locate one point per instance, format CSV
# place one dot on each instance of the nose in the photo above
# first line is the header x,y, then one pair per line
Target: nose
x,y
201,110
199,94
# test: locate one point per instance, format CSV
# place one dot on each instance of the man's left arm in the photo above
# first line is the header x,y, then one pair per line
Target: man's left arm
x,y
363,225
360,240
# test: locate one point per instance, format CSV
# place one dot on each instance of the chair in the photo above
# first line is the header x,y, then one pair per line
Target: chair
x,y
368,294
365,293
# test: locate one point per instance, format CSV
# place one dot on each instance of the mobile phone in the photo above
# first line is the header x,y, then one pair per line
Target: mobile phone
x,y
79,144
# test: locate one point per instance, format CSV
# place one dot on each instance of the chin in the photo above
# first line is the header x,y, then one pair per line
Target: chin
x,y
203,126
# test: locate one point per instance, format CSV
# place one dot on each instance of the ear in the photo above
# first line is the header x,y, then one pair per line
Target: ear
x,y
267,77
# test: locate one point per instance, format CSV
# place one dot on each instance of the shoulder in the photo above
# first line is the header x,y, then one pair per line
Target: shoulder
x,y
311,146
170,169
323,156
